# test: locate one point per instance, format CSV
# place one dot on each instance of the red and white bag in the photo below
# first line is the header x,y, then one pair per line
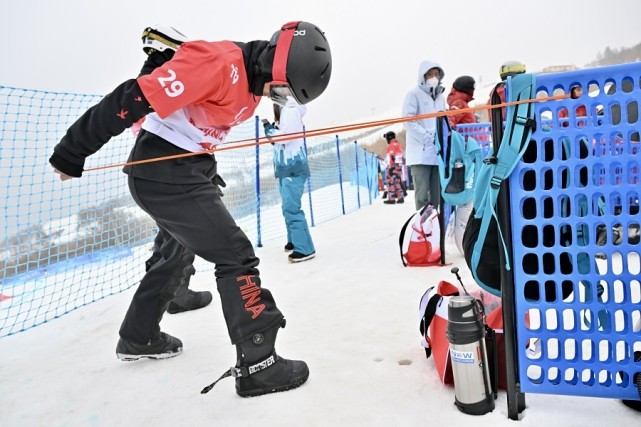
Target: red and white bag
x,y
433,327
420,239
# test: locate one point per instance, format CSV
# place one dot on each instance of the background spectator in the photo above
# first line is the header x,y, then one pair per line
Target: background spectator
x,y
394,160
507,69
459,98
426,97
292,170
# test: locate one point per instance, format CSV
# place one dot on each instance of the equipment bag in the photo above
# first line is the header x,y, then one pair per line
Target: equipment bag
x,y
420,237
481,237
433,328
459,161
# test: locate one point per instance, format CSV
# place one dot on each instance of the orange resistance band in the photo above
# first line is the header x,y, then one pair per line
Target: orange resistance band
x,y
250,142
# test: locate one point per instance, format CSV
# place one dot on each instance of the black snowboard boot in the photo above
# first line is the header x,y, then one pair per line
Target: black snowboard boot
x,y
253,321
161,347
186,299
259,370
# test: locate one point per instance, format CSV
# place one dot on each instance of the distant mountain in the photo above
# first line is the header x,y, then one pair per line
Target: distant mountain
x,y
617,56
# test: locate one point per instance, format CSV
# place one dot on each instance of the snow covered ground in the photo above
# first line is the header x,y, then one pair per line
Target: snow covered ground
x,y
352,316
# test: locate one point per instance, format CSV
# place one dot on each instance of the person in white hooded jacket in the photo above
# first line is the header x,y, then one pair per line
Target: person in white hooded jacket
x,y
292,170
420,152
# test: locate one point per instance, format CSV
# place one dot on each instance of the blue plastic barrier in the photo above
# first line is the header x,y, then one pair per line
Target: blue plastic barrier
x,y
575,232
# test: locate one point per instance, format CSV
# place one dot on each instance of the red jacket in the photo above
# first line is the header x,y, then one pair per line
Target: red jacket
x,y
206,78
192,101
458,100
199,95
394,153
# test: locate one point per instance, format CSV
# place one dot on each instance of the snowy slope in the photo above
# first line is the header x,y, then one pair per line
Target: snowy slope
x,y
352,315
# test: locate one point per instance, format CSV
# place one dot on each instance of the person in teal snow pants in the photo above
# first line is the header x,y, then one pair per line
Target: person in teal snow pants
x,y
292,170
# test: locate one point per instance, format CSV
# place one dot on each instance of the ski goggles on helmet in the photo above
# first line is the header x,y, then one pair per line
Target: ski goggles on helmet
x,y
279,91
280,88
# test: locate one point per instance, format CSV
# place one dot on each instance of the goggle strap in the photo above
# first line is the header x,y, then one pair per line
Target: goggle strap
x,y
153,34
279,70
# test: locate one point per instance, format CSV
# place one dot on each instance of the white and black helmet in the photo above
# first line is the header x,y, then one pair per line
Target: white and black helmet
x,y
161,38
302,62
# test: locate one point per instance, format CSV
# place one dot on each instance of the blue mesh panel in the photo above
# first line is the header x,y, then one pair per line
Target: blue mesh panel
x,y
575,226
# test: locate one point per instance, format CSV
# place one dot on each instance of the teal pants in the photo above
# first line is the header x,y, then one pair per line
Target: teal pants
x,y
291,191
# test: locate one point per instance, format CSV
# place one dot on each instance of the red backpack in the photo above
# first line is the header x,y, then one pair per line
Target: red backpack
x,y
420,238
433,327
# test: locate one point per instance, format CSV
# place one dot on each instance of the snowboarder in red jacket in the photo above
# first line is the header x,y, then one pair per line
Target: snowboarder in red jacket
x,y
190,100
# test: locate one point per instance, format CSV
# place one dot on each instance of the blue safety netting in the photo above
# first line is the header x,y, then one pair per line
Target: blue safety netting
x,y
67,244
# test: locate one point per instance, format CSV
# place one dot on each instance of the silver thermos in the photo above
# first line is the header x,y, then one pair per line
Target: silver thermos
x,y
466,334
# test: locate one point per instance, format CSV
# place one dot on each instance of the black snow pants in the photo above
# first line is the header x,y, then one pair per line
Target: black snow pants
x,y
180,196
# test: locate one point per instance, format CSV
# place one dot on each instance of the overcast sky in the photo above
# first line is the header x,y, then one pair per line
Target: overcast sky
x,y
91,46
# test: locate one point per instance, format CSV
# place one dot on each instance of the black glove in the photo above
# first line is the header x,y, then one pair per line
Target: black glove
x,y
218,181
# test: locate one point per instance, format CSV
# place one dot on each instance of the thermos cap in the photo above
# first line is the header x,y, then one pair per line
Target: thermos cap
x,y
461,301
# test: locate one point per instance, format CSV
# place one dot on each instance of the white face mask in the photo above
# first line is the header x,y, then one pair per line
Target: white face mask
x,y
431,82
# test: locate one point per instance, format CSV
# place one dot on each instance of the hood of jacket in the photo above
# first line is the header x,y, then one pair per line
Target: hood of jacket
x,y
424,68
